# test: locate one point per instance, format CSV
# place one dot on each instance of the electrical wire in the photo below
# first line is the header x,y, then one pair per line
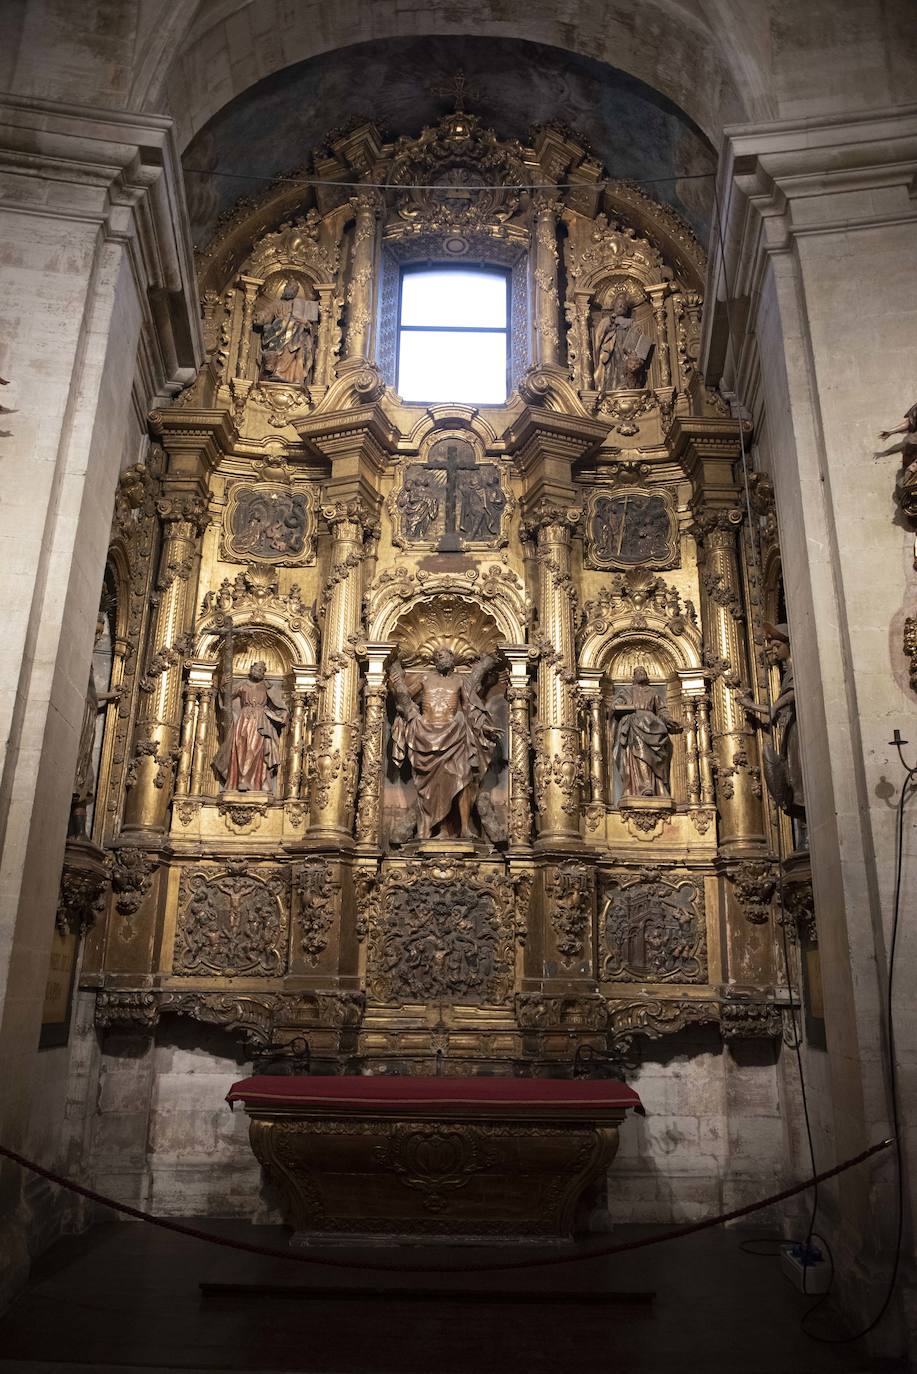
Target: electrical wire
x,y
306,180
793,1007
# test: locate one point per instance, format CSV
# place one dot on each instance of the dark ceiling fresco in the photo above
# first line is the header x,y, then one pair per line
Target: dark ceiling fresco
x,y
401,85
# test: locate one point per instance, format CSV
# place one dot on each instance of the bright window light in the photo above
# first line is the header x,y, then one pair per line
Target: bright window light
x,y
452,343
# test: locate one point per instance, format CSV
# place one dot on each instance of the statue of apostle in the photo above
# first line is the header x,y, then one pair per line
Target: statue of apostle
x,y
249,756
620,349
448,738
287,326
782,762
642,748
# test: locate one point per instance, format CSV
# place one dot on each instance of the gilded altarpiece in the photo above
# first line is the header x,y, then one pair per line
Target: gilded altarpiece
x,y
429,741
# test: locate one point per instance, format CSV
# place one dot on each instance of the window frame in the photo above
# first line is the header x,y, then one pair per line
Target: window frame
x,y
432,265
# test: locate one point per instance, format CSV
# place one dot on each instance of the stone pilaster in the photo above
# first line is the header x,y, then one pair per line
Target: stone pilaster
x,y
657,295
250,288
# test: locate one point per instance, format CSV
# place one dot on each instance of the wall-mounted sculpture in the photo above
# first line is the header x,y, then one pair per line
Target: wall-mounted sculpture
x,y
782,755
631,527
643,745
620,348
269,523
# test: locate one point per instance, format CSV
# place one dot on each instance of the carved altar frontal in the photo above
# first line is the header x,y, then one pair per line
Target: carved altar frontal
x,y
428,740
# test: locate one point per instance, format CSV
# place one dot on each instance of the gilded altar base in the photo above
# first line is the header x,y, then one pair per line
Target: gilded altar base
x,y
356,1179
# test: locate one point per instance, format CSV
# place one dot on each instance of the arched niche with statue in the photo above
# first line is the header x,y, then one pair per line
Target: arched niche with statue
x,y
249,693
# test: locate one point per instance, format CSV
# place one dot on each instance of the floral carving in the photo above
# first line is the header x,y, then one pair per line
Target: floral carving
x,y
130,880
569,889
754,883
318,901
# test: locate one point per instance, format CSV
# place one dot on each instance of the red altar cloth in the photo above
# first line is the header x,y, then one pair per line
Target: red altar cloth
x,y
505,1097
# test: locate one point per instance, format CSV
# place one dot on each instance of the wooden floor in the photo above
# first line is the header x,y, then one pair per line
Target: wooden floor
x,y
127,1296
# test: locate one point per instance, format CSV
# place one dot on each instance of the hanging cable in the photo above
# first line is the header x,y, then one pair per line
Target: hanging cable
x,y
794,1006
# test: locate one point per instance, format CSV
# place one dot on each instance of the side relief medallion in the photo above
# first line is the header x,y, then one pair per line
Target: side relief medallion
x,y
269,523
631,528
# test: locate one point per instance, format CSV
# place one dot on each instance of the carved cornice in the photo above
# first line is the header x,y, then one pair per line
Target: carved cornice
x,y
208,434
364,430
539,432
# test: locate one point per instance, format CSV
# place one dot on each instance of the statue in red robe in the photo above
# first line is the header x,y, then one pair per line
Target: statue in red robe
x,y
249,756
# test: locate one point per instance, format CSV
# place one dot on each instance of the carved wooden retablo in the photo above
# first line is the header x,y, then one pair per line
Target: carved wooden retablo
x,y
438,734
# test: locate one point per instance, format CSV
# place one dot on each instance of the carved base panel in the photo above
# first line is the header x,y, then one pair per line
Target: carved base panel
x,y
426,1179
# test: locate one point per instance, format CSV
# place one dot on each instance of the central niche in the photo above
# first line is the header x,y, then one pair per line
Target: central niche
x,y
448,637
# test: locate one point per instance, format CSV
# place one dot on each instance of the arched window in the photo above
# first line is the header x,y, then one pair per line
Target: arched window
x,y
453,335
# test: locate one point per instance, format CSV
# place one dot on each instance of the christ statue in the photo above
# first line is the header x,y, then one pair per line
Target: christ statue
x,y
445,732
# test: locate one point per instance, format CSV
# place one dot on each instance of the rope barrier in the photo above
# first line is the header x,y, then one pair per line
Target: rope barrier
x,y
298,1257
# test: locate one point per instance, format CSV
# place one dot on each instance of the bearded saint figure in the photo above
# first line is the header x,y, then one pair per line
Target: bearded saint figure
x,y
642,748
249,756
448,739
287,336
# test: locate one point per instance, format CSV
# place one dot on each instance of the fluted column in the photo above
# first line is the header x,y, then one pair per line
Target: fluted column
x,y
519,697
156,737
724,635
304,681
547,302
369,811
360,283
558,769
657,295
335,741
590,687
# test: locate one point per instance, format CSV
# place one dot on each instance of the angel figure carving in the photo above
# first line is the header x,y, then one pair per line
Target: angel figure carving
x,y
444,730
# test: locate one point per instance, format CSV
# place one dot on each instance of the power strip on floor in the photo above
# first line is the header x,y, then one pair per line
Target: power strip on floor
x,y
806,1268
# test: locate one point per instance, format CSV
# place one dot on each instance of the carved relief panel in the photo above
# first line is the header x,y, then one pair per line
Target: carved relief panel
x,y
652,928
232,921
268,522
631,527
451,501
442,931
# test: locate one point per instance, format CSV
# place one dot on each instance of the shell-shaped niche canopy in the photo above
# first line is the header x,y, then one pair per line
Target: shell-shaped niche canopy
x,y
454,622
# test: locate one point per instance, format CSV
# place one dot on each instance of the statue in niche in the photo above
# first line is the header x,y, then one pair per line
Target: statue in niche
x,y
448,739
643,747
84,783
620,348
287,324
782,761
249,757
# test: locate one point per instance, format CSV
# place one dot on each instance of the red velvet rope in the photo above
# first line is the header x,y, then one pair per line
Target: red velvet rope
x,y
297,1257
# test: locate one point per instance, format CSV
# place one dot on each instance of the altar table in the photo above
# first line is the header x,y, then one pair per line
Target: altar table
x,y
426,1159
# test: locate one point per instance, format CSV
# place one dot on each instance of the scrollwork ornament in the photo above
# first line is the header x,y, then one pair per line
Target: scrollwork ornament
x,y
570,889
319,895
